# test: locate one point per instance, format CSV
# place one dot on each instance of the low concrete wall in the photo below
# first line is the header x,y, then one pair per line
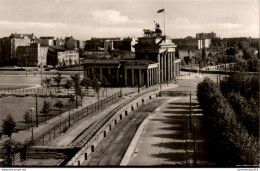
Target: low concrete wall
x,y
87,151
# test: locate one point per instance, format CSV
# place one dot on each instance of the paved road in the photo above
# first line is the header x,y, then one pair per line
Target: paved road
x,y
165,139
111,149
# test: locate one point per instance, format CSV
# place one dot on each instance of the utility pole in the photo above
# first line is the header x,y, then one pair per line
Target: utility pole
x,y
36,109
31,110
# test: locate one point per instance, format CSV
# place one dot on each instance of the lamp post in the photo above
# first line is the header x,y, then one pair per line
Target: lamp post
x,y
121,84
31,110
160,79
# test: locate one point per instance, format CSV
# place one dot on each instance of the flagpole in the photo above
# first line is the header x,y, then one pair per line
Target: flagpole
x,y
164,22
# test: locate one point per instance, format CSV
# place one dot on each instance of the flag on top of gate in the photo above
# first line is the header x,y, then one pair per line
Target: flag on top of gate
x,y
161,10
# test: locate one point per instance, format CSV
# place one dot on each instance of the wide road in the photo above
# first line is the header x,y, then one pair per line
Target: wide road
x,y
111,149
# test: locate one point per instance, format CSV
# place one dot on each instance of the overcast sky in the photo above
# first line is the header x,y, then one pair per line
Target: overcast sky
x,y
84,19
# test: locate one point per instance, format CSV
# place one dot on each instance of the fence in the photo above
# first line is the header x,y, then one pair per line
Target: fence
x,y
44,91
63,125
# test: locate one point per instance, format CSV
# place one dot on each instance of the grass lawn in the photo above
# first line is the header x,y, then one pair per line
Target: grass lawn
x,y
17,106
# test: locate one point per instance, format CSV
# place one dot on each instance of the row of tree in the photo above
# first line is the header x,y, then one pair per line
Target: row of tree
x,y
233,142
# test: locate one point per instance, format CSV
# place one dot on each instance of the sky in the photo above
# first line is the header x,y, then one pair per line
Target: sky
x,y
84,19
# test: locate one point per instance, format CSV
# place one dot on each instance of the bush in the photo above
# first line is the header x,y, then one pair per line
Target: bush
x,y
231,138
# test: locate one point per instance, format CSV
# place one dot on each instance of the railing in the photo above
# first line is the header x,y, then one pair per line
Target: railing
x,y
52,90
63,125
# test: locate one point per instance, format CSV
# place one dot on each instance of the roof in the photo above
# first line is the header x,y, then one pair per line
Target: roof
x,y
125,62
92,61
56,48
140,62
50,37
15,35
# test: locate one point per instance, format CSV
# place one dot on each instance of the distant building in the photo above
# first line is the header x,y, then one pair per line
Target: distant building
x,y
47,41
59,56
8,45
95,44
204,39
211,35
71,43
32,55
154,63
59,42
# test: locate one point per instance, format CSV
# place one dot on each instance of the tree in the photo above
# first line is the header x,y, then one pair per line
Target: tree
x,y
68,84
58,79
76,80
107,81
27,118
71,98
95,85
59,105
8,125
46,109
204,57
86,82
81,95
47,82
10,147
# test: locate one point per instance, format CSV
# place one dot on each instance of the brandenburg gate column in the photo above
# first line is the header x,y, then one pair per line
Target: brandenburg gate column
x,y
100,74
117,76
159,67
164,67
125,77
170,65
132,77
147,78
140,77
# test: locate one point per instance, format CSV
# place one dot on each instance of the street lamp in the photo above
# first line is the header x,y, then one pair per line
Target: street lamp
x,y
41,69
160,79
31,110
121,84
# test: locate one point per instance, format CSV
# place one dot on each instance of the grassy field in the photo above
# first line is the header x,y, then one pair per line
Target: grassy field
x,y
17,106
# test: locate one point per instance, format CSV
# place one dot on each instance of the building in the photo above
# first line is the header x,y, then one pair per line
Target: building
x,y
47,41
71,43
204,39
59,56
32,55
104,44
211,35
8,45
154,63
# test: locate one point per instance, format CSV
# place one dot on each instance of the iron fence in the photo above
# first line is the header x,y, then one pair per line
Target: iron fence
x,y
73,118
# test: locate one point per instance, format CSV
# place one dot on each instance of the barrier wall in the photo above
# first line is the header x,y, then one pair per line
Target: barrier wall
x,y
113,118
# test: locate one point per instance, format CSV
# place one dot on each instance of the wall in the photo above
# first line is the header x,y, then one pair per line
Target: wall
x,y
79,158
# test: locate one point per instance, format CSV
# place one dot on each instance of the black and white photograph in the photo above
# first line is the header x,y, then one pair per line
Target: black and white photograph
x,y
129,84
